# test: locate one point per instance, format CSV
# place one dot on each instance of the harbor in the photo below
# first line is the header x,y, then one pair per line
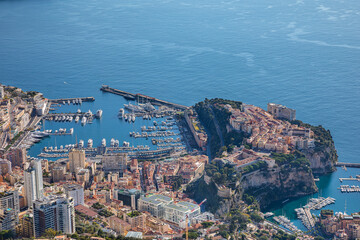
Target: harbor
x,y
349,189
304,213
284,221
74,101
141,98
350,178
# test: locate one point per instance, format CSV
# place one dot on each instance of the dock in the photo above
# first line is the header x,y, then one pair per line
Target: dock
x,y
83,99
351,165
141,97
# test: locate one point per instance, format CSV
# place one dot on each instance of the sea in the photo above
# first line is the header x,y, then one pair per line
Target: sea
x,y
304,54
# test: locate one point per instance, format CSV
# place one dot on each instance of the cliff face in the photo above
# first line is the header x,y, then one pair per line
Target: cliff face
x,y
268,186
279,184
322,162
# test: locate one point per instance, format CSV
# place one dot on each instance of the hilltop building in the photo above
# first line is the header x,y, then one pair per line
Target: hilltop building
x,y
115,163
280,111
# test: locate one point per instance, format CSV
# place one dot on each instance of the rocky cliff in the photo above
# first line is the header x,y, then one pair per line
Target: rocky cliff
x,y
322,162
268,186
324,156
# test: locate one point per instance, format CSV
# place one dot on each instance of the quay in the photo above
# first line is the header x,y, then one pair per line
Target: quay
x,y
350,178
141,98
61,100
351,165
348,189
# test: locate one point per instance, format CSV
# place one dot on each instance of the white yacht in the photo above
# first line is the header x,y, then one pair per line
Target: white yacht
x,y
134,108
77,119
81,143
99,113
90,143
121,113
103,142
83,120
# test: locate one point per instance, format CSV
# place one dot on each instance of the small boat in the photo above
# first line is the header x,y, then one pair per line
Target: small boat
x,y
99,113
83,120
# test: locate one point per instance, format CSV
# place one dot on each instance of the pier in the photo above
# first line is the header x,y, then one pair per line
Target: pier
x,y
351,165
83,99
141,98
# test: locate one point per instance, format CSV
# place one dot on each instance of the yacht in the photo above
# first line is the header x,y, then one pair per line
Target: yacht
x,y
148,107
134,108
112,142
77,118
133,118
71,130
99,113
81,143
83,120
121,113
90,143
103,142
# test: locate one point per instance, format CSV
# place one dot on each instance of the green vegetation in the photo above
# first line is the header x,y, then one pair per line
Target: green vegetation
x,y
208,110
176,185
296,160
207,224
323,140
255,166
193,234
222,174
134,214
98,206
7,234
105,213
50,233
199,190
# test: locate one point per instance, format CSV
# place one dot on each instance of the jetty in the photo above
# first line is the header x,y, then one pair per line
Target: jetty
x,y
141,97
351,165
71,100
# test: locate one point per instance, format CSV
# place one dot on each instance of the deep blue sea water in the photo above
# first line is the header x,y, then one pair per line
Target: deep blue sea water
x,y
303,54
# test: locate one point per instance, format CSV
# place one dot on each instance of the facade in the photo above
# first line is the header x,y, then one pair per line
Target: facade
x,y
115,163
27,225
10,200
5,166
135,221
33,180
83,175
76,192
2,92
280,111
17,157
177,212
58,173
76,160
8,219
55,212
119,226
154,204
128,197
40,108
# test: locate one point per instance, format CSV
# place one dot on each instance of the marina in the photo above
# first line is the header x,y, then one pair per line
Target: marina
x,y
349,189
304,213
350,178
284,221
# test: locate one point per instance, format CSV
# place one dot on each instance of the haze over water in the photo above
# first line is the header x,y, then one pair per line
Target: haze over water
x,y
303,54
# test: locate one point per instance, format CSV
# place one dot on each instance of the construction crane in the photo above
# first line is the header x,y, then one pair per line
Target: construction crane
x,y
187,220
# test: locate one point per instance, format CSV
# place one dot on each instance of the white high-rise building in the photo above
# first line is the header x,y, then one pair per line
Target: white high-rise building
x,y
33,178
76,192
55,212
